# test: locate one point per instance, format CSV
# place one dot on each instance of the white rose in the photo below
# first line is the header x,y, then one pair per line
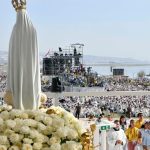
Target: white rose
x,y
19,121
1,121
71,145
19,124
14,148
79,128
39,118
3,147
15,113
30,123
9,107
37,146
14,138
46,139
25,130
31,113
57,122
41,126
39,138
4,140
77,146
48,130
72,134
27,141
24,115
62,132
2,128
27,147
33,134
21,136
4,115
64,147
55,146
54,140
10,123
47,121
8,132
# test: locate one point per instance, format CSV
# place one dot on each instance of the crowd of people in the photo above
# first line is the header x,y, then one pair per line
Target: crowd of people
x,y
112,83
125,84
2,82
106,83
129,134
128,105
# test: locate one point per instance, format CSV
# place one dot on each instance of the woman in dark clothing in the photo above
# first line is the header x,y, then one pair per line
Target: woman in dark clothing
x,y
123,123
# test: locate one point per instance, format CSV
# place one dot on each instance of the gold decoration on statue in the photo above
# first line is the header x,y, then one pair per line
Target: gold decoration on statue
x,y
93,128
19,4
87,138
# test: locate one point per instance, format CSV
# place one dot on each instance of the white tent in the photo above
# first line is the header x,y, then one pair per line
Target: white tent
x,y
23,83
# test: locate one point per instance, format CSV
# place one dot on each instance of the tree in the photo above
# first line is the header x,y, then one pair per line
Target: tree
x,y
141,74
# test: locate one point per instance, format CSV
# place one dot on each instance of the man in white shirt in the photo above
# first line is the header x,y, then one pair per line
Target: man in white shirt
x,y
116,137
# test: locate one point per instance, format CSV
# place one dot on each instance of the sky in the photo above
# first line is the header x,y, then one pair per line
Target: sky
x,y
112,28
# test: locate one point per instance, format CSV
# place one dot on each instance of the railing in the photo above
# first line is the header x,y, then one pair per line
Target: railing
x,y
100,93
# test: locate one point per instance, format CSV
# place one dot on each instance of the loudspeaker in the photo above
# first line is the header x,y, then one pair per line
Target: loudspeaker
x,y
48,68
118,72
56,85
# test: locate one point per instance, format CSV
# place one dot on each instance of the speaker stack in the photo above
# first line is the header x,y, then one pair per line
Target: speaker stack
x,y
56,85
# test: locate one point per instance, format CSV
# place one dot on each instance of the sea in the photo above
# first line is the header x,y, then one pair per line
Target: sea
x,y
130,71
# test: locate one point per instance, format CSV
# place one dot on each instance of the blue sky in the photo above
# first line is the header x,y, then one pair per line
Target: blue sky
x,y
116,28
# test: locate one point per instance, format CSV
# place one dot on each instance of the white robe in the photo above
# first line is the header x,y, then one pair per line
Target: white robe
x,y
113,136
23,64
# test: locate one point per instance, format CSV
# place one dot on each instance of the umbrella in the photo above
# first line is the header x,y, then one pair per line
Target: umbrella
x,y
23,82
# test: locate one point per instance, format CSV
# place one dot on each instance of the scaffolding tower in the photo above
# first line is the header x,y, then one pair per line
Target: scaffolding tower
x,y
57,62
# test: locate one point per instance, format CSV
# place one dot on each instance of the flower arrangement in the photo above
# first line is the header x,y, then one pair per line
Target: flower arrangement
x,y
54,129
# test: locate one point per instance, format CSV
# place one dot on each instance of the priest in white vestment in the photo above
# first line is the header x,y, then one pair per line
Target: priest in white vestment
x,y
23,82
116,137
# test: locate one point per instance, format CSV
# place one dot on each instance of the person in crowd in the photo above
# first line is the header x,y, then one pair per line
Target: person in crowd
x,y
129,112
123,122
140,121
116,137
77,111
109,118
145,135
99,119
132,134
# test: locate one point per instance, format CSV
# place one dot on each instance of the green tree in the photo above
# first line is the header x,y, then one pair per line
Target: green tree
x,y
141,74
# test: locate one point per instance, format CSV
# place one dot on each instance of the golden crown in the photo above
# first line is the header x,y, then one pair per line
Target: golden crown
x,y
19,4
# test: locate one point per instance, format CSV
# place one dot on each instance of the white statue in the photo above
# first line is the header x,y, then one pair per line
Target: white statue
x,y
23,82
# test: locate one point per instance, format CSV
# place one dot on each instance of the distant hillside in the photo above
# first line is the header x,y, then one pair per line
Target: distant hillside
x,y
87,59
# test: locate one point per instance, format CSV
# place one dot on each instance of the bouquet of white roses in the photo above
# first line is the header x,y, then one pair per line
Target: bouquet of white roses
x,y
55,129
